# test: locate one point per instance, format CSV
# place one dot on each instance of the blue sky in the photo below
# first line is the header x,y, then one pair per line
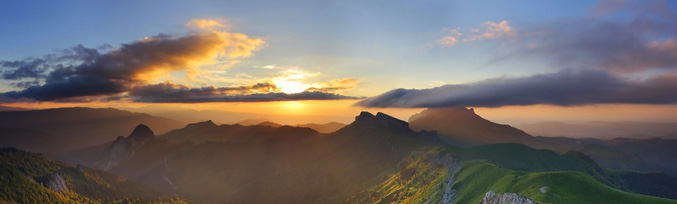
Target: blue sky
x,y
382,45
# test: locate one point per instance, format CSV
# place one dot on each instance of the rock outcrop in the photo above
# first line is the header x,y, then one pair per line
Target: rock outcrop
x,y
123,148
506,198
452,168
56,183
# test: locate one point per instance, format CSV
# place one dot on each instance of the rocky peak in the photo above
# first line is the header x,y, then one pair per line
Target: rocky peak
x,y
141,133
506,198
123,148
364,115
380,120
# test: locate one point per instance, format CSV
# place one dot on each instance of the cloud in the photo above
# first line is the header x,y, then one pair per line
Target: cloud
x,y
270,66
82,72
564,88
207,24
617,36
128,73
177,93
491,30
448,41
336,85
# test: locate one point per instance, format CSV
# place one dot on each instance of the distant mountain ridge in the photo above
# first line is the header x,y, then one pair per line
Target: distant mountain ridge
x,y
323,128
602,130
73,127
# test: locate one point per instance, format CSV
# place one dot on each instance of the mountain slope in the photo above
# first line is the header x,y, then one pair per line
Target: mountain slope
x,y
475,178
32,178
523,158
75,127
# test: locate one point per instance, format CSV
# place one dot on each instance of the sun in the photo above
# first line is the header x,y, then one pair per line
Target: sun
x,y
291,87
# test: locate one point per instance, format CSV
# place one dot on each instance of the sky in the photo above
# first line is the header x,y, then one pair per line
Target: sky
x,y
512,60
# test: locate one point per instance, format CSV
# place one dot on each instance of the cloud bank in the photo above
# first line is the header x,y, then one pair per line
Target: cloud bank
x,y
178,93
564,88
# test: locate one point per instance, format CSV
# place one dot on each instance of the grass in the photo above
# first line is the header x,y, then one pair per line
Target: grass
x,y
478,177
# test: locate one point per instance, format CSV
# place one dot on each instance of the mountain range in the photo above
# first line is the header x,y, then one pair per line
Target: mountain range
x,y
440,156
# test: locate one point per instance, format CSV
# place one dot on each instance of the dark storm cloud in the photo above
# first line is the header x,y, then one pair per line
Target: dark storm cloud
x,y
171,91
644,39
178,93
28,68
565,88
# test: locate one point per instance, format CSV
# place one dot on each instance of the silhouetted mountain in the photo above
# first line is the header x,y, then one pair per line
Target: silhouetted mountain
x,y
249,122
269,124
209,132
323,128
74,127
32,178
260,164
462,126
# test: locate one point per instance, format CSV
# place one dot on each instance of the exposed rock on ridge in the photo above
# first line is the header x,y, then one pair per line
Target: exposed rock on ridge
x,y
506,198
56,183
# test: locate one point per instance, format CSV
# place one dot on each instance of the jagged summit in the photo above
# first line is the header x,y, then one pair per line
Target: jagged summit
x,y
366,119
364,115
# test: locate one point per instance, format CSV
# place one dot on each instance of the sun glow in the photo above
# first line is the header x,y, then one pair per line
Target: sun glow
x,y
291,87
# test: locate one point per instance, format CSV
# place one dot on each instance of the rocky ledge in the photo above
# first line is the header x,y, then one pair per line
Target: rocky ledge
x,y
506,198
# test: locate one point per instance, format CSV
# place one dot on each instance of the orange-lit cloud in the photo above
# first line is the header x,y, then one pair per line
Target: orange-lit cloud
x,y
207,24
491,30
335,86
448,41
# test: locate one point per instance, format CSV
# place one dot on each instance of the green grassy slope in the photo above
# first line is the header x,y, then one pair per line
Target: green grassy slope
x,y
523,158
475,178
419,178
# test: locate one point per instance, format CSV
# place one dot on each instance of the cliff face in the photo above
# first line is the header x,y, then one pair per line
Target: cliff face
x,y
56,183
124,148
506,198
